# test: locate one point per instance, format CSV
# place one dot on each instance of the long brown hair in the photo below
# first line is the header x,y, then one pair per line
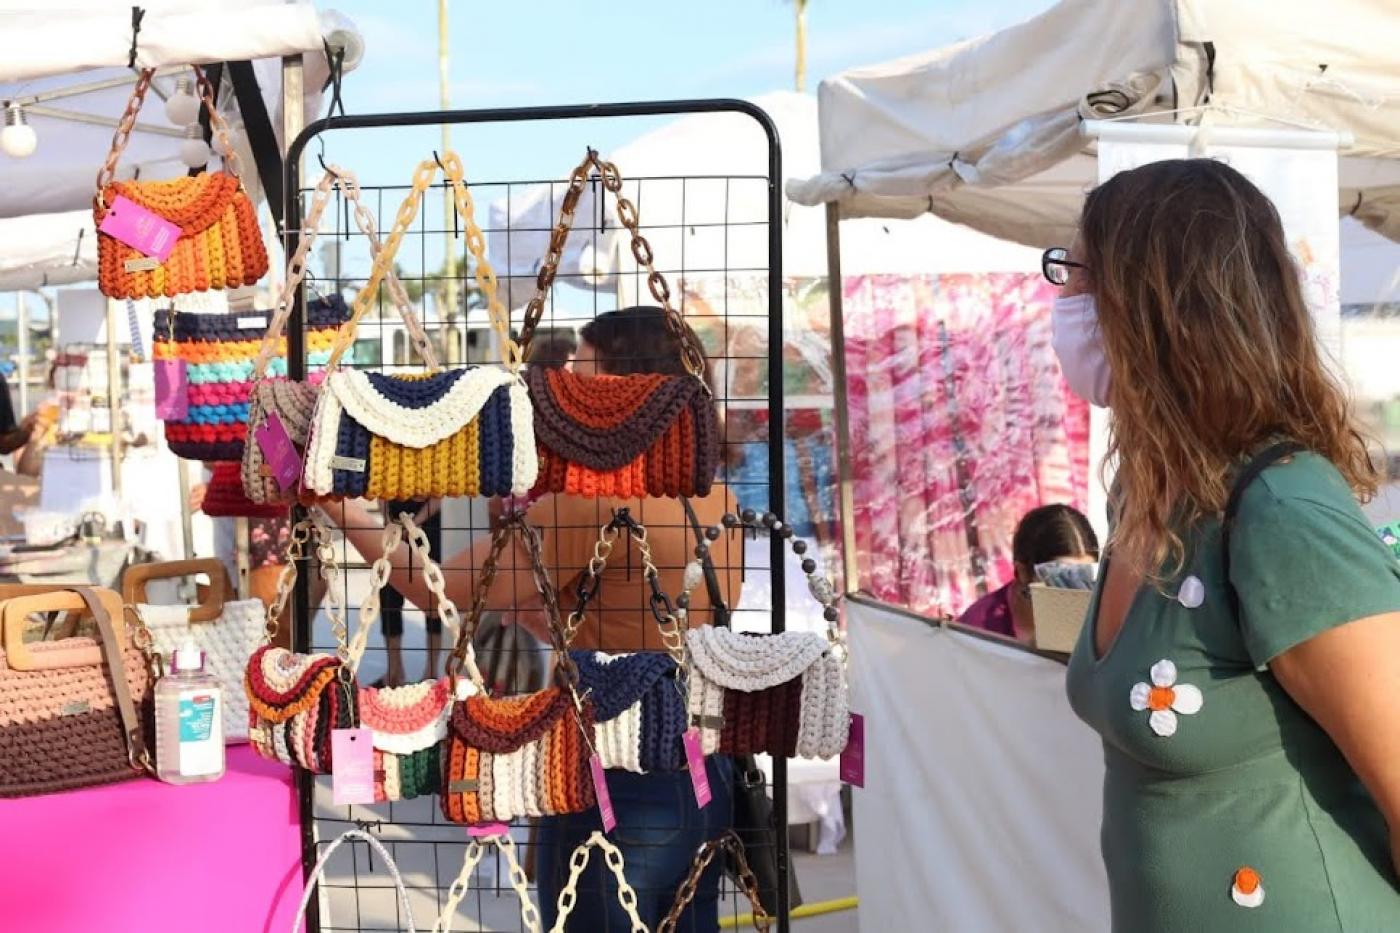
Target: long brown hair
x,y
1211,346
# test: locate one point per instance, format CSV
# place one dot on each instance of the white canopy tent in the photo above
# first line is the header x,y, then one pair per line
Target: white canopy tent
x,y
986,132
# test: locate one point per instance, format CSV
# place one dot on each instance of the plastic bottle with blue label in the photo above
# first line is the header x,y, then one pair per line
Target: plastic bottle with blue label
x,y
189,720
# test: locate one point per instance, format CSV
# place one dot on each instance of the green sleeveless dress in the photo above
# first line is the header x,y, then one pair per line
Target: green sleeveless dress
x,y
1226,808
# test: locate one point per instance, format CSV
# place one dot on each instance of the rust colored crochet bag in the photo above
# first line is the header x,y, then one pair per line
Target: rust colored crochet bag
x,y
621,436
219,243
72,710
510,757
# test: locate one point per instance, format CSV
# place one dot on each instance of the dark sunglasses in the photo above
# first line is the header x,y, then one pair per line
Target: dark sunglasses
x,y
1056,267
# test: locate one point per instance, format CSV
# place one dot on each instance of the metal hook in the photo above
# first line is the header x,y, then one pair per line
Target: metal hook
x,y
439,161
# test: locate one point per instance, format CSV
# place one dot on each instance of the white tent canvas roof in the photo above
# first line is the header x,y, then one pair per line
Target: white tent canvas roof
x,y
716,219
986,132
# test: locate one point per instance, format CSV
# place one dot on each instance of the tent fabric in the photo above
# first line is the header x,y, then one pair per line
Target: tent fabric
x,y
987,132
47,249
983,793
60,175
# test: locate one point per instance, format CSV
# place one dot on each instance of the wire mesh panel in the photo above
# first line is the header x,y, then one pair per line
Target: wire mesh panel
x,y
716,242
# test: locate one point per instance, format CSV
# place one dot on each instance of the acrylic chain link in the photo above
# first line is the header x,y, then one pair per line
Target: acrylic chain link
x,y
568,897
437,585
730,842
476,850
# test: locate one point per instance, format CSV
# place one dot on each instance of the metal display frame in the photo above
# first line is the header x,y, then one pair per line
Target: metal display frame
x,y
296,355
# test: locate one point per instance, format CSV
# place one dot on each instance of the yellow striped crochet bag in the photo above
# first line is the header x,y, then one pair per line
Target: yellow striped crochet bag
x,y
456,432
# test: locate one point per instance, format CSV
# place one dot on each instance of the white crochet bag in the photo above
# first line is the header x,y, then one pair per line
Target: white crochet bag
x,y
227,630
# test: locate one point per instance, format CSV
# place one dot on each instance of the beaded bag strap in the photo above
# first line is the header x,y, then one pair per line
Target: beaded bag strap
x,y
513,525
423,177
476,850
349,185
317,873
578,862
668,620
730,844
691,355
127,124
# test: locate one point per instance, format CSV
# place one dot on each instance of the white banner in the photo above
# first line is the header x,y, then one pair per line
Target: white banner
x,y
983,792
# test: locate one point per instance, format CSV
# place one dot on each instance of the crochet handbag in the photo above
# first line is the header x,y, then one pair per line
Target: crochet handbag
x,y
227,630
224,496
405,908
293,402
213,359
623,436
73,711
460,432
217,240
639,705
729,845
528,755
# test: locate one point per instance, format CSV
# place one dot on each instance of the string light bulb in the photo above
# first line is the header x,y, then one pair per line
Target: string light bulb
x,y
18,139
194,151
182,107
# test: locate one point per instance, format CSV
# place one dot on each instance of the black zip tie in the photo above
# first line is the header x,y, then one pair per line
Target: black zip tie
x,y
335,63
137,14
78,247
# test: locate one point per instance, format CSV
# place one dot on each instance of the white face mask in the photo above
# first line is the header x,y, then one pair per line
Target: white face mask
x,y
1074,333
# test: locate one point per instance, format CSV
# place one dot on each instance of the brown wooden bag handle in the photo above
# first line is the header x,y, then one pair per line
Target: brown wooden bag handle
x,y
691,355
730,843
209,609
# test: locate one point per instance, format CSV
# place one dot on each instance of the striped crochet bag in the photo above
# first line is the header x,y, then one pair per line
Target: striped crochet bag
x,y
460,432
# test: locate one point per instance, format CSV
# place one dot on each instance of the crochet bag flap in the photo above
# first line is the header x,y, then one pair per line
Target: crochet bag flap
x,y
639,708
295,700
219,243
624,436
224,496
218,354
464,432
409,718
504,724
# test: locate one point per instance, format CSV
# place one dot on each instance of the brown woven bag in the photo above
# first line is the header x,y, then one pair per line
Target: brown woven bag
x,y
72,710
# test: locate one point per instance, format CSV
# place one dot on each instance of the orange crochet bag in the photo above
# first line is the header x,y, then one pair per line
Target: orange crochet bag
x,y
649,434
219,243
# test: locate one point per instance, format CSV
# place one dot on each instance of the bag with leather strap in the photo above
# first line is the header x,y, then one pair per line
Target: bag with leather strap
x,y
213,359
639,705
293,403
528,755
622,436
219,243
74,711
226,629
457,432
729,845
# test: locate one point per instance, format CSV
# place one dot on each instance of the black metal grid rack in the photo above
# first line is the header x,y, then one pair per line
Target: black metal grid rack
x,y
427,848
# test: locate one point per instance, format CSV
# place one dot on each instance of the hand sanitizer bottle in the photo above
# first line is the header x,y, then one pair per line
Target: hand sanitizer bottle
x,y
189,720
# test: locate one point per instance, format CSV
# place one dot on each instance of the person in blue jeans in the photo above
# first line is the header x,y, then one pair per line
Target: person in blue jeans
x,y
659,829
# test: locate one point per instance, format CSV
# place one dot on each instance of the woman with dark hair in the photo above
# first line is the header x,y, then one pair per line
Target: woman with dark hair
x,y
1241,659
659,826
1048,534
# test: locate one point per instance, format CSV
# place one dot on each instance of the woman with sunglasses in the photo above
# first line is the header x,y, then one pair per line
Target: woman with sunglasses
x,y
1241,658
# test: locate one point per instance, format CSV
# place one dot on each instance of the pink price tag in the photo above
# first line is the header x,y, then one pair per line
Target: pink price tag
x,y
279,453
600,790
139,228
695,760
487,830
172,390
352,766
853,757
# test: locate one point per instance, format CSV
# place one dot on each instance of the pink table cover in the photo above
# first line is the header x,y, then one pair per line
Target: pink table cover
x,y
223,857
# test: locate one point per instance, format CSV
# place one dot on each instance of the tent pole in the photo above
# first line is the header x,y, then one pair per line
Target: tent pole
x,y
114,389
845,472
22,351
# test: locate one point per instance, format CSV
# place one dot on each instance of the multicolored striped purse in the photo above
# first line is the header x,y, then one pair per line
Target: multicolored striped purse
x,y
218,242
462,432
622,436
293,403
217,354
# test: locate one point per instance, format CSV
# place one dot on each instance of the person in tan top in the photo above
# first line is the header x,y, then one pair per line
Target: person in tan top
x,y
659,826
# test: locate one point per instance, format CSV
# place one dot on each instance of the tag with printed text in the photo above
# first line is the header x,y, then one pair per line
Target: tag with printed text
x,y
279,453
352,766
142,230
853,757
600,790
695,760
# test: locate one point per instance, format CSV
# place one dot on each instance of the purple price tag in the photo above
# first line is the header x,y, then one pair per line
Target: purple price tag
x,y
279,453
695,760
352,766
139,228
853,757
487,830
600,790
172,390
